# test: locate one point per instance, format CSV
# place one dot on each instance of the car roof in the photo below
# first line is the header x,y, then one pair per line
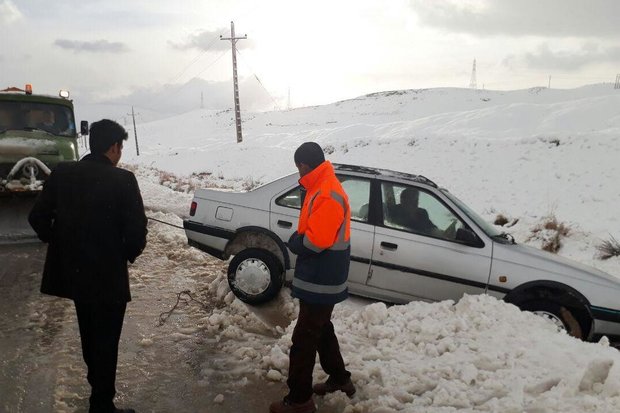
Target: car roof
x,y
385,173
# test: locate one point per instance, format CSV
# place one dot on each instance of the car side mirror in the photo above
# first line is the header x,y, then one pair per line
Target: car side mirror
x,y
468,237
84,127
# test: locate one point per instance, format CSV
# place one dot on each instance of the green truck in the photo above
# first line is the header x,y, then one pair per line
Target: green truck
x,y
36,133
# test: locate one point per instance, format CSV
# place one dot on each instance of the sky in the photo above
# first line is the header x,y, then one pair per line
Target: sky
x,y
300,53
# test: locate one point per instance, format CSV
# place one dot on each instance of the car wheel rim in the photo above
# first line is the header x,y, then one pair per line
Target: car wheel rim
x,y
551,317
252,276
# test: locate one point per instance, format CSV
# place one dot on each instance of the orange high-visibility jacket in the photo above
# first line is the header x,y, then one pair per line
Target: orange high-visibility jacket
x,y
322,240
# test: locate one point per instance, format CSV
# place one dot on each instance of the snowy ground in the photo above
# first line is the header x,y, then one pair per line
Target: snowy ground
x,y
478,355
524,154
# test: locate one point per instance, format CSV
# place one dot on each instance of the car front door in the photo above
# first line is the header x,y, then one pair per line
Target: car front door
x,y
416,252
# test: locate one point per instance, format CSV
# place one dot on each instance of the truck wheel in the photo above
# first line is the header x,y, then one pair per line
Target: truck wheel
x,y
561,316
255,276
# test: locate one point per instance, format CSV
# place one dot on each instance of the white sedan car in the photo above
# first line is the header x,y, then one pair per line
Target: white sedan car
x,y
410,240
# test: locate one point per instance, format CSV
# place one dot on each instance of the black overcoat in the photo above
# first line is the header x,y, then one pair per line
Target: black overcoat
x,y
91,214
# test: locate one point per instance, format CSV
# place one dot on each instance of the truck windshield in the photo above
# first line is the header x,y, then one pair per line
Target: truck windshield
x,y
54,119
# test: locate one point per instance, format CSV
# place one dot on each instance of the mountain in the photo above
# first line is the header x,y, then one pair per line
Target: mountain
x,y
173,99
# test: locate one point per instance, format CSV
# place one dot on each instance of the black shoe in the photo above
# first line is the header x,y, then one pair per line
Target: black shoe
x,y
330,387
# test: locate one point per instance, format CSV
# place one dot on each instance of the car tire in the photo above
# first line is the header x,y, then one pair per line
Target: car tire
x,y
255,276
560,315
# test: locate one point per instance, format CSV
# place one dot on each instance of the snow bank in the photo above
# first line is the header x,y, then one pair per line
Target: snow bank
x,y
479,354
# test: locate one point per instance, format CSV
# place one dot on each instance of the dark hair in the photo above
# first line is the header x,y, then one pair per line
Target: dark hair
x,y
309,153
104,134
409,195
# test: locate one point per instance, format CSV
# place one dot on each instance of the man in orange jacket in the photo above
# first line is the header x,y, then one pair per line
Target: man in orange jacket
x,y
322,246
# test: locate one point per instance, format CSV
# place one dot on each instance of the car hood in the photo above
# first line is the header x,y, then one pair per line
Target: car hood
x,y
535,258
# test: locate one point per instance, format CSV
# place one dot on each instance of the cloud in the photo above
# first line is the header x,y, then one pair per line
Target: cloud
x,y
9,12
210,41
590,53
575,18
96,46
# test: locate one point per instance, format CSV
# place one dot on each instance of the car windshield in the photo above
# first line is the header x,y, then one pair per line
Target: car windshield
x,y
487,227
54,119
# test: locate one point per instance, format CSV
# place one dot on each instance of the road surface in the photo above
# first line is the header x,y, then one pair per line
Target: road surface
x,y
175,367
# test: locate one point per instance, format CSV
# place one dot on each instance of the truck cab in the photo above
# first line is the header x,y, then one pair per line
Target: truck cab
x,y
37,132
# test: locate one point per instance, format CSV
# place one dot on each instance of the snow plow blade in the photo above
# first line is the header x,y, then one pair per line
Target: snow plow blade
x,y
14,226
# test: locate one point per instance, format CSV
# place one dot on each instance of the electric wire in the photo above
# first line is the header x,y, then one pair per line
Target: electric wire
x,y
162,95
193,61
259,82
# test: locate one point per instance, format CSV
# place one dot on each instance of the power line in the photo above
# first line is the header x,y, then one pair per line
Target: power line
x,y
261,83
212,63
193,61
162,95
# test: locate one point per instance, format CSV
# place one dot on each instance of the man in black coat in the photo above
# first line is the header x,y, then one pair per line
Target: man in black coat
x,y
92,216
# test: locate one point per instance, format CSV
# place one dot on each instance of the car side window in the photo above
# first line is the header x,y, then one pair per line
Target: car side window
x,y
292,198
414,210
358,191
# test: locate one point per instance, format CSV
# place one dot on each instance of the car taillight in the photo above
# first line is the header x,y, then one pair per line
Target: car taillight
x,y
192,209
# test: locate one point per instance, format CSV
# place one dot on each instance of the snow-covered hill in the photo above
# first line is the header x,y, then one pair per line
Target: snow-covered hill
x,y
526,154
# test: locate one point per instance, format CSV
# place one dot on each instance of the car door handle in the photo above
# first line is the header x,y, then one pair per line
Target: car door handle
x,y
389,246
284,224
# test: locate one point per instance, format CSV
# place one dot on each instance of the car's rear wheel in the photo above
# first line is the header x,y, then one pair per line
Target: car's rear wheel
x,y
563,317
255,276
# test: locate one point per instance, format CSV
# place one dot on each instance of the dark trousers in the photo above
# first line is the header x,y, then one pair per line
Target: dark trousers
x,y
100,331
314,332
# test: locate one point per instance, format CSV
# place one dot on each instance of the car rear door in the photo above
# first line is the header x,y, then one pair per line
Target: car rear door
x,y
362,233
429,263
284,217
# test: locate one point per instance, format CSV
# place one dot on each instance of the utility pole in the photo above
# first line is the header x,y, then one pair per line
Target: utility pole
x,y
549,87
135,132
233,41
202,100
472,82
617,85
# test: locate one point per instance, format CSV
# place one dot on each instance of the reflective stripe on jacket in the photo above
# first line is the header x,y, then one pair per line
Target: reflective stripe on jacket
x,y
322,240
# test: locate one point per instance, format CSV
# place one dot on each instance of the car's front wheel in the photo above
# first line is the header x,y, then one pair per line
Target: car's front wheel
x,y
558,314
255,276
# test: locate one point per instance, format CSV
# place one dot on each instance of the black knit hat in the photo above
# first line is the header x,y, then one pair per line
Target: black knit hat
x,y
309,153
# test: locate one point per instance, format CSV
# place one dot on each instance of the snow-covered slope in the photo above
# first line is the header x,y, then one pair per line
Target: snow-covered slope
x,y
525,154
